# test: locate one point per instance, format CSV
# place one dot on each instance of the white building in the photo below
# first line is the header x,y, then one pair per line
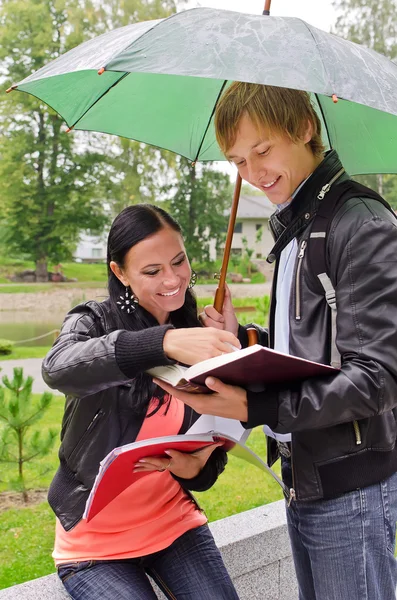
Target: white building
x,y
91,248
252,215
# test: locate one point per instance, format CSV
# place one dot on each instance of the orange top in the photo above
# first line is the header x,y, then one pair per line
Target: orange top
x,y
145,518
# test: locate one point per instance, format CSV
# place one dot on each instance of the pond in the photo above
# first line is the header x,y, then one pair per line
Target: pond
x,y
24,325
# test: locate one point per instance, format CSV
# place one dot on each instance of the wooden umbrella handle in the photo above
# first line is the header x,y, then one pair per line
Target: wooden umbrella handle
x,y
220,291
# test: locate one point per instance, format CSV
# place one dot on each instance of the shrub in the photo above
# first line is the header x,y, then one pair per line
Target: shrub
x,y
6,347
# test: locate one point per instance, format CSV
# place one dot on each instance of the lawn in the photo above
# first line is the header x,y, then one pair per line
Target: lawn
x,y
27,534
95,274
26,352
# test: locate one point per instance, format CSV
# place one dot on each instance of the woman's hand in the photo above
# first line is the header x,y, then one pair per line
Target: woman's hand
x,y
194,344
181,464
226,320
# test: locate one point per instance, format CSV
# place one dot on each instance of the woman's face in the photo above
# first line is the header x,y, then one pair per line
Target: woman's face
x,y
158,272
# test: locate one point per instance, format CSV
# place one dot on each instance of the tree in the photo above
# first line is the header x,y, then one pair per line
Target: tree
x,y
248,252
137,173
54,185
19,444
372,23
199,202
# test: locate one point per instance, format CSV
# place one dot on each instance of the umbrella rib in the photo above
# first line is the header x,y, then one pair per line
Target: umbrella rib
x,y
99,98
319,52
209,120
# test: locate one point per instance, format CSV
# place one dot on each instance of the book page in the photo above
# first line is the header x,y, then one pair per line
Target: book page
x,y
230,427
171,374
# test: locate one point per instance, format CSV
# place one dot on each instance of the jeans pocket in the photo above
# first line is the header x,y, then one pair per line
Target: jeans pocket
x,y
390,526
67,571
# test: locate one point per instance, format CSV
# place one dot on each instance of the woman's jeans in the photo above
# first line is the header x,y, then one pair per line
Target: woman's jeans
x,y
190,569
343,548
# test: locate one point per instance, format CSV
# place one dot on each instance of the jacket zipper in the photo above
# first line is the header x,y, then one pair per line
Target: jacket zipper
x,y
357,432
324,190
297,280
292,493
90,427
327,186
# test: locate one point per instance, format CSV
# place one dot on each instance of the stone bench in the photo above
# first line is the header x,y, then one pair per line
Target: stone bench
x,y
255,548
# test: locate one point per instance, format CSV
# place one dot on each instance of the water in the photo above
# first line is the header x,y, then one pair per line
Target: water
x,y
21,325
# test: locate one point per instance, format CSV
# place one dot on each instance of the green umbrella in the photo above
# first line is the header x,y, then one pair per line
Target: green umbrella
x,y
160,81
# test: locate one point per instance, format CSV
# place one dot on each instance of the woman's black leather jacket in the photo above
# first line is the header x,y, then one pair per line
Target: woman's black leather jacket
x,y
93,363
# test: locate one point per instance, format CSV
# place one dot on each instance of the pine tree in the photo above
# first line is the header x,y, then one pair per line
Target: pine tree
x,y
20,441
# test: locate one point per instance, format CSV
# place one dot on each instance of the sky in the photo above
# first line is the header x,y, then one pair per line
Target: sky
x,y
319,13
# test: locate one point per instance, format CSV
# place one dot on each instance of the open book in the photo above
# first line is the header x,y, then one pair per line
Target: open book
x,y
116,469
249,366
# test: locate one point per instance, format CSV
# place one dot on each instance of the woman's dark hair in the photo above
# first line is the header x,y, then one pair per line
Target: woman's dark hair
x,y
133,225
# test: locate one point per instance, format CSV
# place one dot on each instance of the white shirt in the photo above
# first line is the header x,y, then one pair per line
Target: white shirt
x,y
283,294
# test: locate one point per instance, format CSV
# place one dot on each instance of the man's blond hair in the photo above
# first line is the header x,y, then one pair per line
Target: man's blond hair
x,y
271,109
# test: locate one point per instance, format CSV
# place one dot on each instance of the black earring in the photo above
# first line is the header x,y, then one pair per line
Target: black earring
x,y
193,279
128,302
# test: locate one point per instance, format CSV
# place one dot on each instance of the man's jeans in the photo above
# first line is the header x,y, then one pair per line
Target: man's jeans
x,y
190,569
344,548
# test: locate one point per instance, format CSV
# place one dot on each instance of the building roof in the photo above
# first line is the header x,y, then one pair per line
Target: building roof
x,y
254,207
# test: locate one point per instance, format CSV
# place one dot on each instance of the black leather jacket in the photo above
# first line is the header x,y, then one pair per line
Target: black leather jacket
x,y
343,426
93,363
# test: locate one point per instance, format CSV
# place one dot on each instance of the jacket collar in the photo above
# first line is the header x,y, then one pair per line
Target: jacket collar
x,y
294,218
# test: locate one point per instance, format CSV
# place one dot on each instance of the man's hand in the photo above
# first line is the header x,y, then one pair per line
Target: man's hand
x,y
228,400
182,464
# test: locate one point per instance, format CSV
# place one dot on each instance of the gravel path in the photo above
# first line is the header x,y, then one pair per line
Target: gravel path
x,y
31,366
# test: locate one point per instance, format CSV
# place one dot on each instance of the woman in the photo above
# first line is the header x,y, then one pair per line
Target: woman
x,y
99,361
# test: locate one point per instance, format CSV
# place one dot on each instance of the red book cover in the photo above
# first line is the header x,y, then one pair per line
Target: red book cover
x,y
116,471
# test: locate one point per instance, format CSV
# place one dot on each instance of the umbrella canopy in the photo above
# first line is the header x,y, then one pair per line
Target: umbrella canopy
x,y
161,80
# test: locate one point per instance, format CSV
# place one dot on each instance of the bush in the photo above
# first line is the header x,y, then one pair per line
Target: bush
x,y
6,347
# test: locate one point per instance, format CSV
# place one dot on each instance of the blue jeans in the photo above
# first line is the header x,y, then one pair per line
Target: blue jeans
x,y
343,548
190,569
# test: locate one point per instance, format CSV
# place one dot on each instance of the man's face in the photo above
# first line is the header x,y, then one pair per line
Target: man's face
x,y
272,162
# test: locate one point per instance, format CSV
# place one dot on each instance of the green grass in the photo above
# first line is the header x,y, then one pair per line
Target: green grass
x,y
26,544
27,534
259,316
91,275
34,288
26,352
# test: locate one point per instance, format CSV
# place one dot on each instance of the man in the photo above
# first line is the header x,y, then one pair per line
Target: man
x,y
341,461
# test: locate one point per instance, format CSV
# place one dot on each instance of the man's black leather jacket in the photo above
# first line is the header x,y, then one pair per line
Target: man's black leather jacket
x,y
93,363
343,426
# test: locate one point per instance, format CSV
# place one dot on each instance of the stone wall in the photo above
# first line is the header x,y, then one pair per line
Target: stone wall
x,y
255,548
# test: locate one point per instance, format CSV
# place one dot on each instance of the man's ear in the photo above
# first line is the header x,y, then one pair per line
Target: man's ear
x,y
308,132
119,273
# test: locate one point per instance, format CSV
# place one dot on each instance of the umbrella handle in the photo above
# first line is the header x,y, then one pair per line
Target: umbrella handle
x,y
266,10
220,291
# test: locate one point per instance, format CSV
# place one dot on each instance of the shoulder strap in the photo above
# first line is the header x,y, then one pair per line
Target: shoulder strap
x,y
337,195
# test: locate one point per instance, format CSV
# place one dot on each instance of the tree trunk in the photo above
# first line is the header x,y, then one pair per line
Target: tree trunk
x,y
41,270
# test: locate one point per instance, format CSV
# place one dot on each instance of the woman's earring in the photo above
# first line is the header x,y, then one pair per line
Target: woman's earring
x,y
193,279
128,302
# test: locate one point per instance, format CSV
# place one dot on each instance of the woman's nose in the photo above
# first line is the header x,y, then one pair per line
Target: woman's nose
x,y
171,279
